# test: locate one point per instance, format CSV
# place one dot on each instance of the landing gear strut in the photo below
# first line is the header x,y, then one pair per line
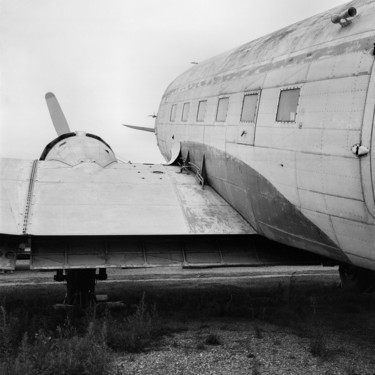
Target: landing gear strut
x,y
80,285
357,279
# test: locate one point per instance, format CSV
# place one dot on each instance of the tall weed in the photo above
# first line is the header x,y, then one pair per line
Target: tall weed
x,y
135,332
62,351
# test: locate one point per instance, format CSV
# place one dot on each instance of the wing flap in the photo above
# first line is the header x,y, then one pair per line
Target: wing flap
x,y
163,251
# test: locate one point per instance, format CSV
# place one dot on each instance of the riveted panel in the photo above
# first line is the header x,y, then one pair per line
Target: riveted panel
x,y
355,238
215,136
329,175
14,187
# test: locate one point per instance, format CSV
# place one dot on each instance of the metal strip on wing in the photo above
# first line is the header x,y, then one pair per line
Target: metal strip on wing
x,y
29,197
179,199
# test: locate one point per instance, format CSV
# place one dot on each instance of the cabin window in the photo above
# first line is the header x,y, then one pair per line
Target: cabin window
x,y
202,106
173,112
185,111
222,109
288,103
249,107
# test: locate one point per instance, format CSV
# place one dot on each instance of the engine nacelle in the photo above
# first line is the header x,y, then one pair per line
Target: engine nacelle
x,y
79,147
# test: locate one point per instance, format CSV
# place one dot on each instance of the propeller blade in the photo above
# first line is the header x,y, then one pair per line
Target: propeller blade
x,y
152,130
57,115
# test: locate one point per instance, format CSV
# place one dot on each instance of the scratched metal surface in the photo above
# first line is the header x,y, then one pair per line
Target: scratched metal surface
x,y
126,199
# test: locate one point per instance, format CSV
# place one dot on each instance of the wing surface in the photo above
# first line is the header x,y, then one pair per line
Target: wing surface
x,y
121,199
124,215
15,177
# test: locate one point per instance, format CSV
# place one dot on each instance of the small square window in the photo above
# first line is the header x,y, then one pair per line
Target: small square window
x,y
185,112
173,112
249,107
222,109
202,106
288,103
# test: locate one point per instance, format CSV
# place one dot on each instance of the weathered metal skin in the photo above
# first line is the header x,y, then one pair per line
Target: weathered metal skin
x,y
297,182
260,203
51,198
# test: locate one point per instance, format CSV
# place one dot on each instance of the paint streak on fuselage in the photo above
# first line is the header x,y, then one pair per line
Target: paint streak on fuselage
x,y
262,205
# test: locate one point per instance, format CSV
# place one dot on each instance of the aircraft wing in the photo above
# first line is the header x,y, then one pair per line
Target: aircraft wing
x,y
123,215
49,198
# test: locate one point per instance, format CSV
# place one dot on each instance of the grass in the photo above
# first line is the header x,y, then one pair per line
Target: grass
x,y
81,343
201,346
258,331
29,328
135,332
212,339
36,340
318,345
64,353
255,368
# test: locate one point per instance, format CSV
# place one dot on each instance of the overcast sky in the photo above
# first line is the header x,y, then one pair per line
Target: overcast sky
x,y
109,61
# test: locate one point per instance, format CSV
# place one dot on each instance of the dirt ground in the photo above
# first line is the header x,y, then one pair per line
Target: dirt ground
x,y
277,320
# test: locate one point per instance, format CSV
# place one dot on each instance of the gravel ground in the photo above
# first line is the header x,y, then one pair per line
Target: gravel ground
x,y
248,348
341,340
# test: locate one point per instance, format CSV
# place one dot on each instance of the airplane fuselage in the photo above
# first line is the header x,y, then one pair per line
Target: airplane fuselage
x,y
280,129
284,127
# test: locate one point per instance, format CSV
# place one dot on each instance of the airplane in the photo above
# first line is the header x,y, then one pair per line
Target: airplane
x,y
269,160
